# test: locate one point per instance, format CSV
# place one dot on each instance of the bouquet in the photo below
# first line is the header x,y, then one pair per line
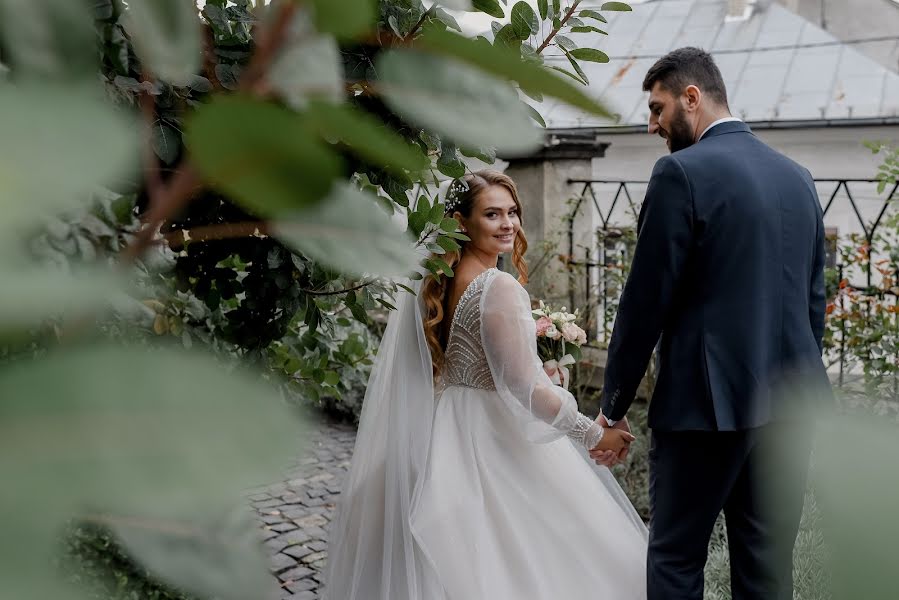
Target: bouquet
x,y
559,341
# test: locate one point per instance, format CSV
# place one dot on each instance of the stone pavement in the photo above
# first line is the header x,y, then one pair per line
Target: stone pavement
x,y
295,513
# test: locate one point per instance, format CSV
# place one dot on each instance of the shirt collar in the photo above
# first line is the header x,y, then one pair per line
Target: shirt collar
x,y
718,122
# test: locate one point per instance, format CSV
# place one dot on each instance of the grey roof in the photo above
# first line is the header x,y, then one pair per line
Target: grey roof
x,y
777,66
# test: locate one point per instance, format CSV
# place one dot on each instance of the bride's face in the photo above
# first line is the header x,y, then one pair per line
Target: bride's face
x,y
494,221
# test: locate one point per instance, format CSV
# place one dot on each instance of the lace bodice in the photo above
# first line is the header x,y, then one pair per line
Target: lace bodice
x,y
466,362
507,361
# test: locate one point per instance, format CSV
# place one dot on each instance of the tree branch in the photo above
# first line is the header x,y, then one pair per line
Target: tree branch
x,y
338,292
421,22
553,33
167,200
205,233
270,41
152,174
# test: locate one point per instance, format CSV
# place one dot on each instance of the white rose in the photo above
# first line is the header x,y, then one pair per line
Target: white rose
x,y
570,332
553,333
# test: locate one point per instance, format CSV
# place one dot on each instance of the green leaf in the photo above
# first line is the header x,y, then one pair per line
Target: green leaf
x,y
166,36
44,167
449,162
577,68
491,7
417,223
486,155
93,417
216,17
53,39
543,7
508,38
347,18
524,20
200,85
590,54
564,42
447,19
456,235
448,244
442,266
366,135
332,378
166,143
397,189
457,101
568,73
194,554
616,6
40,294
435,215
529,53
456,4
358,313
536,96
592,14
308,68
449,225
348,232
588,29
395,26
228,75
261,155
536,115
502,63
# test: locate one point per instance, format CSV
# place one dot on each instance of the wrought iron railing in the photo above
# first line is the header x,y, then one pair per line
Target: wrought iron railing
x,y
601,264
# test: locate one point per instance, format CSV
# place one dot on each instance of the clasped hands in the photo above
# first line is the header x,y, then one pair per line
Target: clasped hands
x,y
615,443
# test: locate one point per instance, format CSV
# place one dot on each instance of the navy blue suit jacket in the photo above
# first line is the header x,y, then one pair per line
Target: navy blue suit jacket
x,y
728,280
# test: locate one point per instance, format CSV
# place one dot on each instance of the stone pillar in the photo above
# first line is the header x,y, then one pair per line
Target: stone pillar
x,y
547,193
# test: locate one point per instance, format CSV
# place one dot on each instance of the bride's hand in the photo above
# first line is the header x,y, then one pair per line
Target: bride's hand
x,y
613,442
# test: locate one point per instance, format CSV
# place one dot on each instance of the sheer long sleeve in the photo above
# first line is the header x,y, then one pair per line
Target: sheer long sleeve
x,y
508,333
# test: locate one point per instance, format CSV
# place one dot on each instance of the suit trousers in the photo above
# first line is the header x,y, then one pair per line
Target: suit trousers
x,y
757,477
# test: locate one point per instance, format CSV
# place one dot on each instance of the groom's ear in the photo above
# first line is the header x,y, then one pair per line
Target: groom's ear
x,y
692,97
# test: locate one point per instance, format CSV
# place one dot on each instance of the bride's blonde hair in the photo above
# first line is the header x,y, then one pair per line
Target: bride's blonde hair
x,y
435,289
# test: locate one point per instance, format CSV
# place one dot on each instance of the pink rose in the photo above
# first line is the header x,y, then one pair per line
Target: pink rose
x,y
543,323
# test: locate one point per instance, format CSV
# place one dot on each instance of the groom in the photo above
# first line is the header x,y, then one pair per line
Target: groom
x,y
728,280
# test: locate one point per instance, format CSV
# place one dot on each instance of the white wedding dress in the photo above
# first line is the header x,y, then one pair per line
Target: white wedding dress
x,y
482,491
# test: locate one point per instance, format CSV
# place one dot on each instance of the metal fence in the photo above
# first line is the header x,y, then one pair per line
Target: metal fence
x,y
603,264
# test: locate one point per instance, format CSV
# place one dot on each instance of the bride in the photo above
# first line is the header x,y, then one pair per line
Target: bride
x,y
470,478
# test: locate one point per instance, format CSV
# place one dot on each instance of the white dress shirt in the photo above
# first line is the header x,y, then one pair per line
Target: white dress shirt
x,y
718,122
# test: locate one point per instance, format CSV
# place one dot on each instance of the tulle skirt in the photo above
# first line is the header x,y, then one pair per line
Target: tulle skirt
x,y
495,516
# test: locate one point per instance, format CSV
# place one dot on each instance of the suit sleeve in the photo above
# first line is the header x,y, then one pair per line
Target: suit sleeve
x,y
664,239
817,302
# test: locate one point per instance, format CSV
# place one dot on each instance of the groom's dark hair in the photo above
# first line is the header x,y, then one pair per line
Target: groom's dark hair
x,y
688,66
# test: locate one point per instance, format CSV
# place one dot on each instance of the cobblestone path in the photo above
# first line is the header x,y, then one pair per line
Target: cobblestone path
x,y
295,513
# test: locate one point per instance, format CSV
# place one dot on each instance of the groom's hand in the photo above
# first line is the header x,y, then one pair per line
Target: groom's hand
x,y
608,458
623,425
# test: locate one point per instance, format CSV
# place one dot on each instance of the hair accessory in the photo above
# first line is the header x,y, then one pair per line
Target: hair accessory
x,y
454,194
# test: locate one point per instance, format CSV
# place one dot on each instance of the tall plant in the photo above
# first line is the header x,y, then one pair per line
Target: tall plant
x,y
269,148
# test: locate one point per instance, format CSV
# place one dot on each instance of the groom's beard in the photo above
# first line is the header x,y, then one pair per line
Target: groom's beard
x,y
680,135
